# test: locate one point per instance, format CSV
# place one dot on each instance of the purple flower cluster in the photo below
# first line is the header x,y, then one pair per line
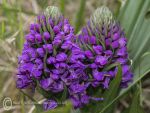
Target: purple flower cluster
x,y
45,53
104,47
57,61
48,61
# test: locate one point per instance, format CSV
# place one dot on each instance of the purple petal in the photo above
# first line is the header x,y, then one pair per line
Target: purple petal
x,y
75,101
88,54
45,83
98,75
61,57
56,29
77,88
115,44
22,81
96,98
30,38
125,69
66,28
93,40
38,38
40,52
49,104
116,36
57,87
48,47
46,35
106,83
122,51
102,60
85,99
98,49
51,60
122,42
36,73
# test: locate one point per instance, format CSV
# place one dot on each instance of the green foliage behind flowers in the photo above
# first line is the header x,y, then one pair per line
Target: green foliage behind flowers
x,y
134,19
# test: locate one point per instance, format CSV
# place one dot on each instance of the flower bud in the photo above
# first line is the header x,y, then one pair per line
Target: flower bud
x,y
53,12
101,16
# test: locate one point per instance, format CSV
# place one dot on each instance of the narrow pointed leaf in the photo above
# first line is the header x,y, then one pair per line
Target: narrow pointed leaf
x,y
135,106
112,92
123,92
134,19
38,107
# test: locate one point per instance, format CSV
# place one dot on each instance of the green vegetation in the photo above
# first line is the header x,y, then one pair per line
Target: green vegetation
x,y
134,16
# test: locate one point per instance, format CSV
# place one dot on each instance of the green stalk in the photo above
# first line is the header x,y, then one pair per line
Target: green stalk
x,y
80,16
15,10
62,6
22,103
21,36
3,30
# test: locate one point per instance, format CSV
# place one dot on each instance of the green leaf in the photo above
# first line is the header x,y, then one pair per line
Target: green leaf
x,y
143,65
111,93
134,18
127,17
22,104
46,94
28,96
80,16
135,106
108,95
64,94
108,67
123,92
38,106
62,6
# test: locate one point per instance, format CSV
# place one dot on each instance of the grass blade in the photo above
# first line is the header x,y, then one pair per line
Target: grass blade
x,y
133,18
112,92
62,6
22,104
124,92
135,106
80,16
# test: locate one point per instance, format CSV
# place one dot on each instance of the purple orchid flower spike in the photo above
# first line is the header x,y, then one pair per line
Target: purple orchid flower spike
x,y
103,43
46,56
60,62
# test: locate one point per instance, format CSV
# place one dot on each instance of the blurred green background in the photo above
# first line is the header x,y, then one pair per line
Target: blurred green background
x,y
15,17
